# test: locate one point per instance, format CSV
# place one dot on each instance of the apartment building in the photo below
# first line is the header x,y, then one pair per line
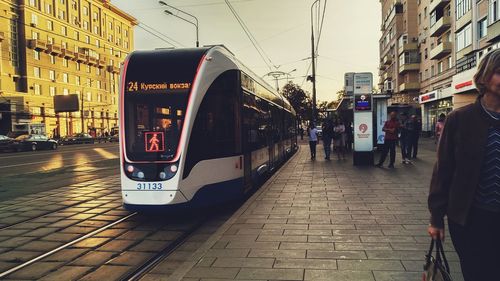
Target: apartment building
x,y
62,47
399,60
436,27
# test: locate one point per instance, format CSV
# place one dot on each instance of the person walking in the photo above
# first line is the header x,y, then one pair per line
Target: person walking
x,y
327,136
415,131
339,139
439,127
301,130
313,139
390,128
404,138
465,184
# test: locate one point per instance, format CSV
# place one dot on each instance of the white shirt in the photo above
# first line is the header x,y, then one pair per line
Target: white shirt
x,y
313,134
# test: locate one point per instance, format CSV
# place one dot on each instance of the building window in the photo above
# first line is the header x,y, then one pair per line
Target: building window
x,y
97,43
98,71
48,8
426,76
34,35
432,70
482,27
89,96
62,15
493,11
463,38
85,25
77,35
77,80
88,68
87,39
99,97
37,55
78,66
425,12
95,16
52,75
52,91
462,7
65,62
50,40
52,59
38,90
65,92
50,25
85,10
34,19
440,67
98,85
125,31
425,54
33,3
36,72
64,30
450,63
14,52
65,78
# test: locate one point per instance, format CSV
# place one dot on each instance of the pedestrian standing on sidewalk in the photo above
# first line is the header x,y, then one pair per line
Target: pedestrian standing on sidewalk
x,y
327,137
404,138
312,132
390,128
339,139
415,131
465,184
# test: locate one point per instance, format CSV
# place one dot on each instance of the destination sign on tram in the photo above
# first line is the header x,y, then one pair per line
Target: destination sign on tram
x,y
160,88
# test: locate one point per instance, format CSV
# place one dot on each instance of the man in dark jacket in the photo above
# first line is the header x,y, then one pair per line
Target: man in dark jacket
x,y
391,128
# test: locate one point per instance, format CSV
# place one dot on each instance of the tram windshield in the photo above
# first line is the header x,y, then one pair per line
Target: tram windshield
x,y
156,94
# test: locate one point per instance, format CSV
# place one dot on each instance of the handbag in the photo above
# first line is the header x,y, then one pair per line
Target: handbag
x,y
436,268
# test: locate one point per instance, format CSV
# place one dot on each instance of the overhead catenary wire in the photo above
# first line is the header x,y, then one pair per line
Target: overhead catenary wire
x,y
252,39
162,34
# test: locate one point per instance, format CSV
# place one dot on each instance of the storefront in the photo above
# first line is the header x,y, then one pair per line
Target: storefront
x,y
464,91
432,105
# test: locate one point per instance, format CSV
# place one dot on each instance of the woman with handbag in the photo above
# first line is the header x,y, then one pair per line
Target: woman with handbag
x,y
465,184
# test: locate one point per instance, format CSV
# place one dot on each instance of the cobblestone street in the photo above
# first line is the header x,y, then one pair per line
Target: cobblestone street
x,y
326,220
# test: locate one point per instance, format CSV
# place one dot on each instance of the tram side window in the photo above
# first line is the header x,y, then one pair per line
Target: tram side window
x,y
277,119
216,132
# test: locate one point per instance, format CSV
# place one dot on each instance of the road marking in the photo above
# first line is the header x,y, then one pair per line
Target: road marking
x,y
32,163
62,151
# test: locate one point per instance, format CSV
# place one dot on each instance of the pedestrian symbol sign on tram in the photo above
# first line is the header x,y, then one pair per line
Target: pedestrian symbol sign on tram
x,y
154,141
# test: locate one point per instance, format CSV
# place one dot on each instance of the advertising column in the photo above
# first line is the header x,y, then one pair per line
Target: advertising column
x,y
363,119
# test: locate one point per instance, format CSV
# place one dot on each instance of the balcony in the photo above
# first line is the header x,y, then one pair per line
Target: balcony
x,y
493,31
53,50
440,26
440,51
437,4
381,67
387,75
411,86
101,63
36,44
67,54
113,69
387,60
409,67
406,47
79,57
91,60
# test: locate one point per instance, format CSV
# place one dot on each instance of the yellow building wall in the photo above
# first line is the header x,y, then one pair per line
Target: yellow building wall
x,y
74,47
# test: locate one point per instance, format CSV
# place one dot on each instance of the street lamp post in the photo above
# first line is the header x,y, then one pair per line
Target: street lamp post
x,y
82,100
313,57
195,23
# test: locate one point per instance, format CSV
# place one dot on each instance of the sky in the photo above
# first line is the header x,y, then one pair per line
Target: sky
x,y
348,42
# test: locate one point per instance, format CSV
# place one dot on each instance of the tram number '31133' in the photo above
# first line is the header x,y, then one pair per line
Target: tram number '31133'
x,y
149,186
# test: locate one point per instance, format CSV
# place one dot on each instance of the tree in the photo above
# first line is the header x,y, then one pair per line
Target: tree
x,y
299,99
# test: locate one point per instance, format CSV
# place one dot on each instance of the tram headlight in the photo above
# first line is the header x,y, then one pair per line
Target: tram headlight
x,y
173,168
130,169
163,175
140,175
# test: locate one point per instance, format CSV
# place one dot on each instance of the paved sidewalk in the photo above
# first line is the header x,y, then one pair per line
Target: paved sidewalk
x,y
319,220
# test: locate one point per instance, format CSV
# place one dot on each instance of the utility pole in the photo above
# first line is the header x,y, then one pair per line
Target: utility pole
x,y
313,57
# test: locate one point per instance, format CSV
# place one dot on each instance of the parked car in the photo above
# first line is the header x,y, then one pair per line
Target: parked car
x,y
4,142
77,139
32,142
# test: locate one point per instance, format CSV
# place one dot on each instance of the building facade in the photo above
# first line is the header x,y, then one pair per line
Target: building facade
x,y
398,51
452,36
62,47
